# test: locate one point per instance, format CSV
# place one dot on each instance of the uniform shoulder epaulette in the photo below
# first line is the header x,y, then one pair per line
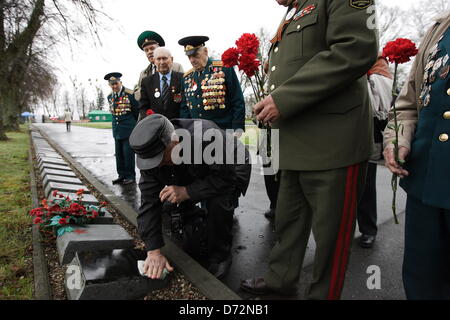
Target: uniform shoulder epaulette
x,y
129,91
217,63
188,72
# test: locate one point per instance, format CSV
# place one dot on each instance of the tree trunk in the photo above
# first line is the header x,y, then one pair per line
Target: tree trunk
x,y
3,136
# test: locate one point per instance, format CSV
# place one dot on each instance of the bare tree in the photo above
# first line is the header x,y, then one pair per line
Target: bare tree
x,y
28,27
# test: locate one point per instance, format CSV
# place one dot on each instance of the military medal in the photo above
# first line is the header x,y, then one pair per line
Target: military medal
x,y
194,86
157,94
444,72
290,14
427,101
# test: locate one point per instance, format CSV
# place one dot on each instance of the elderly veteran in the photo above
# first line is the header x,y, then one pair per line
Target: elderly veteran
x,y
161,91
211,91
424,114
125,110
186,183
148,41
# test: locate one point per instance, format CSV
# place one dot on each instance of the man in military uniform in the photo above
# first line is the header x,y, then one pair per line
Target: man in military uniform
x,y
125,111
424,114
319,102
148,41
185,183
211,91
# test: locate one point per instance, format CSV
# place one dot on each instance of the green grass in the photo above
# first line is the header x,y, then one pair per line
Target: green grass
x,y
97,125
16,274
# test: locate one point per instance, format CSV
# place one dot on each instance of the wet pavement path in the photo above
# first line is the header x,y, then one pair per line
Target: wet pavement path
x,y
253,233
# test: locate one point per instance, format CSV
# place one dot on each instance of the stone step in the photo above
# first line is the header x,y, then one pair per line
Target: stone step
x,y
56,172
92,238
87,198
64,187
52,178
108,275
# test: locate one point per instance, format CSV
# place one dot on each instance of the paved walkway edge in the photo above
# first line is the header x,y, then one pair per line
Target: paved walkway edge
x,y
42,288
205,282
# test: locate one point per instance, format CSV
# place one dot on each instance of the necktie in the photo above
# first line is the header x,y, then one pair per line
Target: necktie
x,y
165,90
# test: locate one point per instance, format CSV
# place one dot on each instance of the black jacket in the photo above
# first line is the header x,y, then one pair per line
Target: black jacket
x,y
202,181
150,86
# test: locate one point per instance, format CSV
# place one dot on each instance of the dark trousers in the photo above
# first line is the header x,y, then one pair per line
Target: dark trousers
x,y
68,123
125,159
426,264
272,183
220,211
367,208
326,203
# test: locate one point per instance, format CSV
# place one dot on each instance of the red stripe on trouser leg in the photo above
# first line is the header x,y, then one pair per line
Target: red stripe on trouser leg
x,y
341,234
348,235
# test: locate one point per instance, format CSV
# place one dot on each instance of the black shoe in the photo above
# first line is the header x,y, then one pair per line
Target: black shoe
x,y
128,181
117,181
220,270
258,287
270,214
367,241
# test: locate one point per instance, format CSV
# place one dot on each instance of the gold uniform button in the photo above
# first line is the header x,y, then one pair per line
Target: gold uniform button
x,y
298,27
443,137
276,50
446,115
448,92
274,68
272,87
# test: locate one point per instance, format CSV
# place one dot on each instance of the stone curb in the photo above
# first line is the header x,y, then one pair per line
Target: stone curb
x,y
42,289
205,282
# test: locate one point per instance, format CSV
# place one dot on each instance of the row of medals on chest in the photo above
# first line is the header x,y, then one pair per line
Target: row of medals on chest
x,y
433,69
121,105
213,91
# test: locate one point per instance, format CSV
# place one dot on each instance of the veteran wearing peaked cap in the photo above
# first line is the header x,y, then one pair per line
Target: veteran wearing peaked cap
x,y
125,110
211,91
148,41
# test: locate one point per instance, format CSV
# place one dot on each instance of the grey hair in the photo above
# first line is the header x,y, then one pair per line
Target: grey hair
x,y
162,50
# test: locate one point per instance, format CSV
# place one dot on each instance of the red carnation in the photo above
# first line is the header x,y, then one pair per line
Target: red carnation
x,y
55,193
62,221
80,192
230,57
94,214
400,51
150,112
37,220
248,44
249,64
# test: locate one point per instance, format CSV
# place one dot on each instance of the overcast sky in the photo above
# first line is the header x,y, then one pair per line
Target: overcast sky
x,y
223,21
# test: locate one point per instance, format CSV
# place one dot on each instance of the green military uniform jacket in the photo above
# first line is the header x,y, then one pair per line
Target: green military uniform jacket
x,y
125,111
214,94
318,81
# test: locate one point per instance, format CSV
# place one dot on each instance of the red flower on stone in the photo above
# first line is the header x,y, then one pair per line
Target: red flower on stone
x,y
230,57
103,204
55,193
248,44
80,192
94,214
400,51
63,221
36,212
249,64
37,220
149,112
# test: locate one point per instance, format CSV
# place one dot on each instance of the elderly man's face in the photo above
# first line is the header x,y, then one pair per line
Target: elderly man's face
x,y
163,62
199,59
116,86
149,50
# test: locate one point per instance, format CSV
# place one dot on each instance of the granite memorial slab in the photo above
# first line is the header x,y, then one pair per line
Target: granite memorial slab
x,y
109,275
92,238
52,160
87,198
54,166
55,172
60,179
64,187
